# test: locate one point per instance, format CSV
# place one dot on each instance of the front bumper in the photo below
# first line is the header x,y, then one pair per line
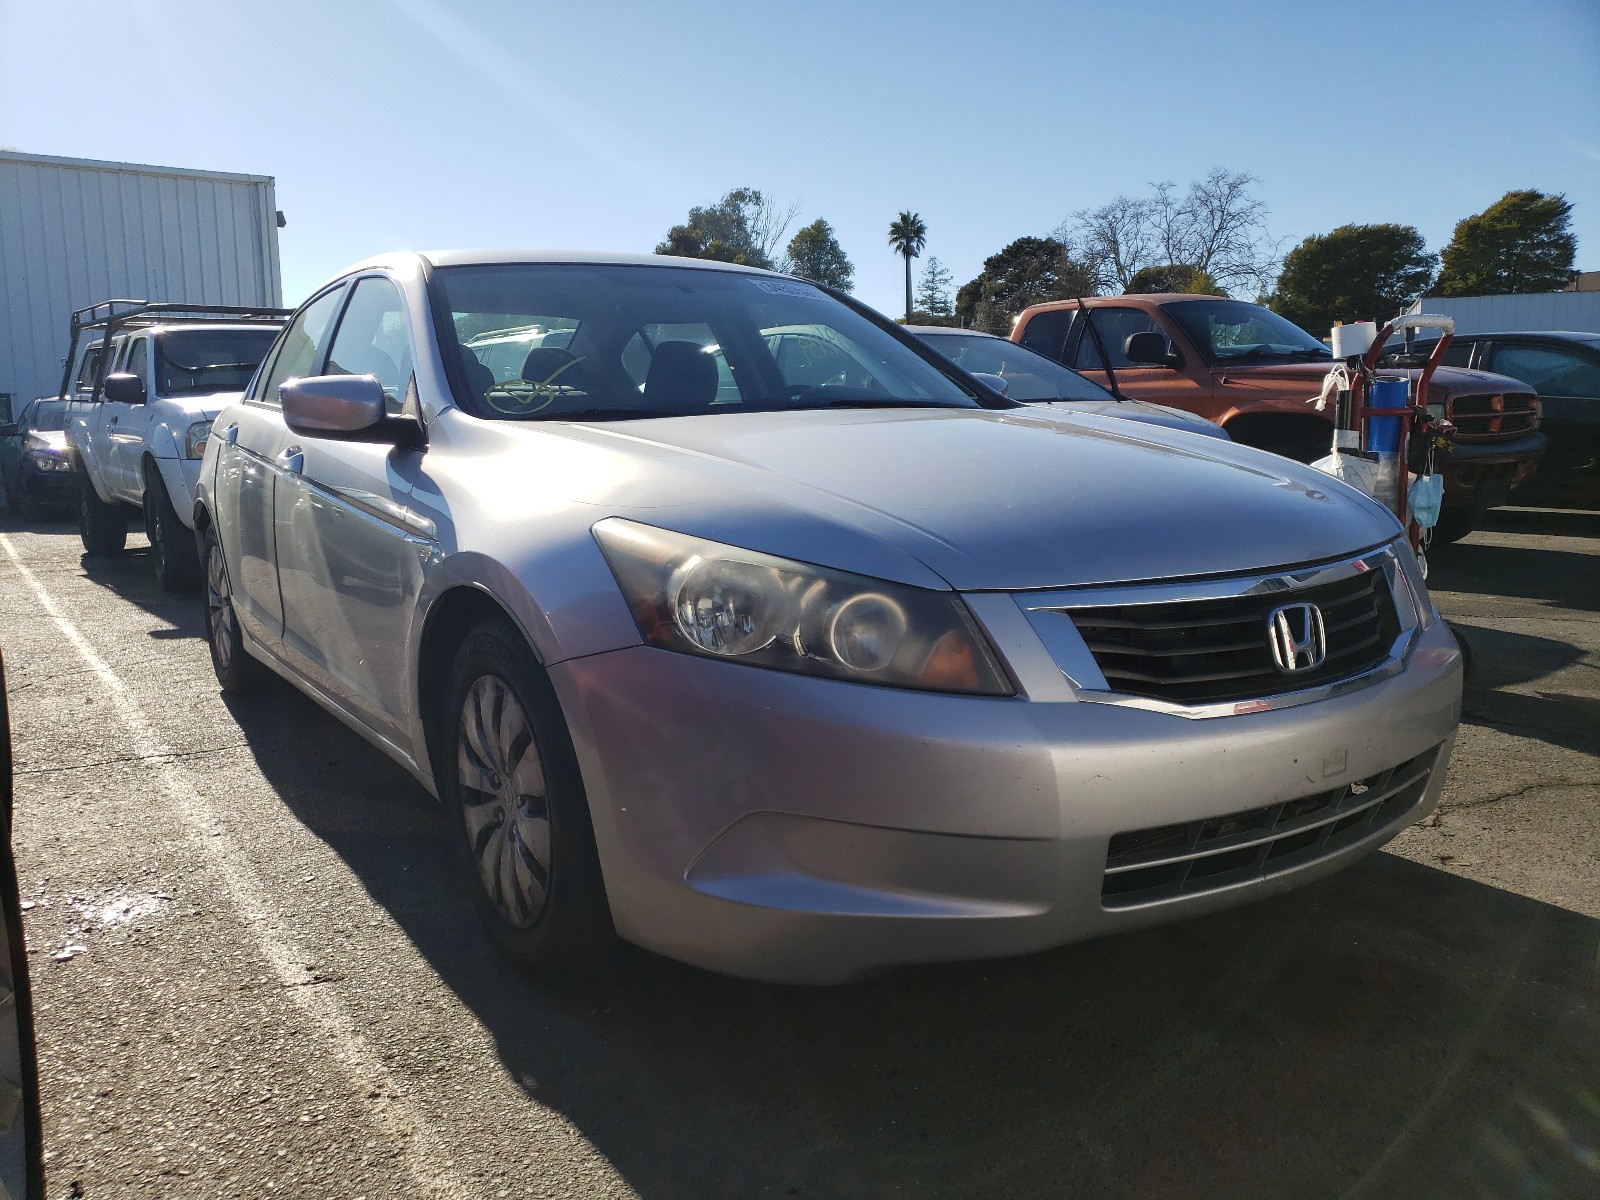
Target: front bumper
x,y
806,830
48,489
1484,474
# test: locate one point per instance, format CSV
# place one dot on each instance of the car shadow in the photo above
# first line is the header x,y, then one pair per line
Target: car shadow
x,y
1557,577
1395,1030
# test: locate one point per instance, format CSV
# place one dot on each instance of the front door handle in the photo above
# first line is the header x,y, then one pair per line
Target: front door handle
x,y
292,460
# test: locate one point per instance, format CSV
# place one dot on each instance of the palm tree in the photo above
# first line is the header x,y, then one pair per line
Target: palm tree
x,y
907,236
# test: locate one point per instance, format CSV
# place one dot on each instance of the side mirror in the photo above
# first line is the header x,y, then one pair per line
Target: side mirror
x,y
997,382
333,406
123,388
1150,349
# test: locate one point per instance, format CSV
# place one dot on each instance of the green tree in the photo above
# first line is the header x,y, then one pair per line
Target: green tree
x,y
814,253
907,236
1355,273
1173,277
933,290
1030,270
1522,242
744,227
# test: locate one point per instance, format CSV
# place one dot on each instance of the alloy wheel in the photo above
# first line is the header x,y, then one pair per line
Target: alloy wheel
x,y
504,804
219,608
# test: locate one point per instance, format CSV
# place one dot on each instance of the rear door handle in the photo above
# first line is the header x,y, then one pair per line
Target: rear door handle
x,y
292,460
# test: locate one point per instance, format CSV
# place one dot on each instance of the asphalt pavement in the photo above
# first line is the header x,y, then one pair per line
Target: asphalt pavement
x,y
255,973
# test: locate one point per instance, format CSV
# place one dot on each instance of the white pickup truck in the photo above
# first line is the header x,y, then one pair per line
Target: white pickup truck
x,y
143,382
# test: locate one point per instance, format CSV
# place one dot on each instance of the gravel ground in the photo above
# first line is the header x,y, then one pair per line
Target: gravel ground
x,y
255,973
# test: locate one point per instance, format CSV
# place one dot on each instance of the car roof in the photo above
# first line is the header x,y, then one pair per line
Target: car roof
x,y
489,257
949,329
1553,335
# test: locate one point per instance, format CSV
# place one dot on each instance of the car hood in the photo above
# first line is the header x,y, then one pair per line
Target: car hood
x,y
200,407
1135,410
984,500
1446,381
46,439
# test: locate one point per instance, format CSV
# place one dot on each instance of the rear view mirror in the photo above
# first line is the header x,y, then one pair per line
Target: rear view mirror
x,y
332,406
997,382
123,388
1150,349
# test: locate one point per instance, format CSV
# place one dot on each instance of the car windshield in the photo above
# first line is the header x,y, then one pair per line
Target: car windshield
x,y
48,416
194,361
1030,377
612,342
1230,331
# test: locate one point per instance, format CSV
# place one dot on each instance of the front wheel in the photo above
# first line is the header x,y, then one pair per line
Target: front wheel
x,y
1454,524
518,816
172,545
237,672
103,527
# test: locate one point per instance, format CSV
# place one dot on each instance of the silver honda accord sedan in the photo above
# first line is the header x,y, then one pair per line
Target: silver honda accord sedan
x,y
721,615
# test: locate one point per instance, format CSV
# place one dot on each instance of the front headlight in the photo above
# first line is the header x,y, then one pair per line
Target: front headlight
x,y
701,597
49,460
194,442
1411,578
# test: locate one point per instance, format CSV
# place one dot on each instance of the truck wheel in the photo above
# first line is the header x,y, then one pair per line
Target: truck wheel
x,y
172,548
1455,523
103,527
237,672
517,813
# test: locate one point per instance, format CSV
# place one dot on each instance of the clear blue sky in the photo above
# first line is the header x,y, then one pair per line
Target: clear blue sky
x,y
431,123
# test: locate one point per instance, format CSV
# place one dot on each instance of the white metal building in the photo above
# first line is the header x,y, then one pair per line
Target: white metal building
x,y
74,232
1575,312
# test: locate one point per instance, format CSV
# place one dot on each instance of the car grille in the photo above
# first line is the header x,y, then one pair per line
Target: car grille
x,y
1205,651
1147,865
1488,418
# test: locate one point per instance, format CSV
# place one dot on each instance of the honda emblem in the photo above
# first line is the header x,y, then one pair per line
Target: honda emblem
x,y
1298,639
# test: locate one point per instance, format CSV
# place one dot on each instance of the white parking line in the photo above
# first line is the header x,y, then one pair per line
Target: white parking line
x,y
376,1087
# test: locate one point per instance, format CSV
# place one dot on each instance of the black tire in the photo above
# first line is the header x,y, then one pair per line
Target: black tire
x,y
103,527
237,672
1454,524
550,919
172,545
22,503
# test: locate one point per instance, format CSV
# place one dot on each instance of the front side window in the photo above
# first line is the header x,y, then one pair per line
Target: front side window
x,y
621,341
1115,326
139,360
1232,331
197,362
371,340
300,351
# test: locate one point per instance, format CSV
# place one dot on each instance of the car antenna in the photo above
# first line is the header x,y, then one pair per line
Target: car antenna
x,y
1105,359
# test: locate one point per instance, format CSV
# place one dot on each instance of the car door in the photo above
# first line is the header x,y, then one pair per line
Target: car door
x,y
250,467
1567,378
128,423
11,452
1188,386
350,550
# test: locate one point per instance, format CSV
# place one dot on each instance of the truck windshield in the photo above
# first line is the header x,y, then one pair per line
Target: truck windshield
x,y
598,342
1232,331
49,416
195,361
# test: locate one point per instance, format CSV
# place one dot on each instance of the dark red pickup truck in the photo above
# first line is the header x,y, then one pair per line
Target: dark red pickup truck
x,y
1257,374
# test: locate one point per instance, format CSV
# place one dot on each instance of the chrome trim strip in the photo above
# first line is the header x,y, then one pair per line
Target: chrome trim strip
x,y
1050,614
1278,832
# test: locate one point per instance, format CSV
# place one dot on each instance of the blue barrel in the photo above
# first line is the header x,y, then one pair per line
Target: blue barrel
x,y
1383,433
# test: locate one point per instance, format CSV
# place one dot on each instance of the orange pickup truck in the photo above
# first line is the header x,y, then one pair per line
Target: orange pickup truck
x,y
1258,375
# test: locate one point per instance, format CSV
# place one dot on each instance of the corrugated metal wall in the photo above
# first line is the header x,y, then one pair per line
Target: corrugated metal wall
x,y
1578,312
74,232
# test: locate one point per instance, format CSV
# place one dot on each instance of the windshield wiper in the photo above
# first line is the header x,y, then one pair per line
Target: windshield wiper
x,y
879,402
602,413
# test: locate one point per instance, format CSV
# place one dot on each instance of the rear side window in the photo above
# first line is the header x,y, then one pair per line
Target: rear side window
x,y
304,340
1046,333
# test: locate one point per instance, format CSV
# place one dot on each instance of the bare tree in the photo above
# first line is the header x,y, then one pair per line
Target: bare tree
x,y
1217,226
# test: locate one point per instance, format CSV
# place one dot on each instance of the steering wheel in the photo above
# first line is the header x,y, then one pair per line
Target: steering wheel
x,y
523,397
